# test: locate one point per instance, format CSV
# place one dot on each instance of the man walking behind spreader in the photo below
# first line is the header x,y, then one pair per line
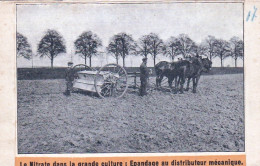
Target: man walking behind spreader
x,y
144,75
69,77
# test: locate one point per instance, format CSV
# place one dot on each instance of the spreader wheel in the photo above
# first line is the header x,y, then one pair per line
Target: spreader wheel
x,y
111,81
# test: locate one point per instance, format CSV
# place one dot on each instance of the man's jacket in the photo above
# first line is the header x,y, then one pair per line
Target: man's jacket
x,y
144,71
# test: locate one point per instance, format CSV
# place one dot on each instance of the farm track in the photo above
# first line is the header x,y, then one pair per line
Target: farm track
x,y
210,120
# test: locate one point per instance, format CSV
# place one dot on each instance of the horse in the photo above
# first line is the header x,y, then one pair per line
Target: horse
x,y
193,71
195,76
179,71
171,70
162,69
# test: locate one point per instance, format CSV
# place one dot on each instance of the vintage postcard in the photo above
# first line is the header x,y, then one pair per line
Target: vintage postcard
x,y
130,83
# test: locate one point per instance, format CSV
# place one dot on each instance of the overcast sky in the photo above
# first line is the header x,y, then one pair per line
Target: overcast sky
x,y
198,20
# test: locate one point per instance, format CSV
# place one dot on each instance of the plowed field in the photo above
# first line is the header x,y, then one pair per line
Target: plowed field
x,y
210,120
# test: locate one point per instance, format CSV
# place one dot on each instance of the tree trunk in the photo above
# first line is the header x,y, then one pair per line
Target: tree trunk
x,y
85,60
154,60
235,62
172,55
90,61
52,63
123,61
116,60
221,60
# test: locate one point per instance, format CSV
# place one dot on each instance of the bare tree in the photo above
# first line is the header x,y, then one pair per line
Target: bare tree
x,y
208,44
187,46
237,48
143,47
114,47
172,47
23,48
155,45
126,46
202,50
222,50
51,45
87,45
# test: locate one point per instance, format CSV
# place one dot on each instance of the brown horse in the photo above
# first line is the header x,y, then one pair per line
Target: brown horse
x,y
193,71
171,70
181,70
206,65
164,69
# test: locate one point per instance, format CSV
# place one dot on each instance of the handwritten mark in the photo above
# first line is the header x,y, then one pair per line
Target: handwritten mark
x,y
253,16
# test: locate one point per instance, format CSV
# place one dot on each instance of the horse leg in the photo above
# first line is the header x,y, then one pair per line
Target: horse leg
x,y
195,84
188,83
182,81
178,79
177,83
158,81
183,77
170,80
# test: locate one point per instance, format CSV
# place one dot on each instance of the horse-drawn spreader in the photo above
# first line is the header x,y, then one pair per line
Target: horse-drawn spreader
x,y
108,81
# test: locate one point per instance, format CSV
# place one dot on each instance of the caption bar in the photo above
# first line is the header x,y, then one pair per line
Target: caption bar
x,y
233,160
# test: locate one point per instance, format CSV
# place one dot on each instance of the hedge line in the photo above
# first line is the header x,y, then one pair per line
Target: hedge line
x,y
59,73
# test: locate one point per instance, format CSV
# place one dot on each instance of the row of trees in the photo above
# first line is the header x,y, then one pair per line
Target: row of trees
x,y
121,45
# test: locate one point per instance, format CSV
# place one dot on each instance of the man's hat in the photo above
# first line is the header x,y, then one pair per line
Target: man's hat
x,y
70,63
144,59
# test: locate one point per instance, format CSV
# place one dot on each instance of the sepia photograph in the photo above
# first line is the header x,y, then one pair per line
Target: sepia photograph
x,y
130,78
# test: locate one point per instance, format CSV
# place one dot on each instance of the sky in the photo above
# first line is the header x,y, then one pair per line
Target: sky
x,y
197,20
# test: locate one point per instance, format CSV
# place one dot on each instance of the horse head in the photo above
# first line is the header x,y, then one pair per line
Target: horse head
x,y
207,64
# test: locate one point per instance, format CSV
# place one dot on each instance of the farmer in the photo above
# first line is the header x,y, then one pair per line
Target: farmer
x,y
69,78
144,75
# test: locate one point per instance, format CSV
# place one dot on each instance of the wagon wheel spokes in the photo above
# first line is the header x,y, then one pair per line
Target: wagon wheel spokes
x,y
114,81
119,87
164,82
106,92
113,89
